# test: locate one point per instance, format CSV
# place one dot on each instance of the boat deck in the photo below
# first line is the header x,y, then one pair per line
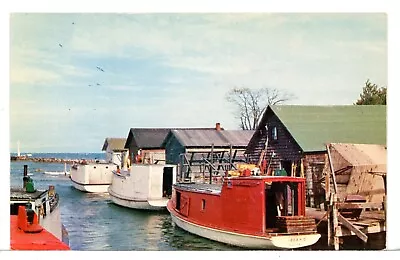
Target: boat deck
x,y
21,194
44,240
200,187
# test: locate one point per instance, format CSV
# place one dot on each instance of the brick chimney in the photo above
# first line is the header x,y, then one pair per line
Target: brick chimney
x,y
218,126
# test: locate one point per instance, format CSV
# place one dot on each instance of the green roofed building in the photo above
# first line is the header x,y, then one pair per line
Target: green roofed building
x,y
296,138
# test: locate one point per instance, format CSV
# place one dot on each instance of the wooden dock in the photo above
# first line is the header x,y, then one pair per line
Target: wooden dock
x,y
368,223
354,215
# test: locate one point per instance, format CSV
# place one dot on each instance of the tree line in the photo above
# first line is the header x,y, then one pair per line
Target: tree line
x,y
251,104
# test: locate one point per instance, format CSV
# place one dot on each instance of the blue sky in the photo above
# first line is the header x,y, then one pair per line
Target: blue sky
x,y
173,70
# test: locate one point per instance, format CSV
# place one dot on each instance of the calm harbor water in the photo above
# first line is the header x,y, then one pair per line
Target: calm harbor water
x,y
95,223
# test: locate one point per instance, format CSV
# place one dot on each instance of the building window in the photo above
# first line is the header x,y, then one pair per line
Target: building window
x,y
203,204
274,133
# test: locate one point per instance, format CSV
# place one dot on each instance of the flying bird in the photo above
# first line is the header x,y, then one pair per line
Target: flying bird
x,y
60,45
99,68
98,84
89,85
73,23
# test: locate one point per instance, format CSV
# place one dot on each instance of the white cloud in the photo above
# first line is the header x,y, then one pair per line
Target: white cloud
x,y
318,58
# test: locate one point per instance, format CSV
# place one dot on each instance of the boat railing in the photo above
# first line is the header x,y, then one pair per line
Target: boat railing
x,y
54,201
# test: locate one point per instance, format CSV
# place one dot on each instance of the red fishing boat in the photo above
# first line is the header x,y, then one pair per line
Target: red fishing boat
x,y
255,212
27,234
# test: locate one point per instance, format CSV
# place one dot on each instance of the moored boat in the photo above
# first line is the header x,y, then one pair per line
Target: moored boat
x,y
92,177
255,212
96,176
27,234
45,204
144,186
57,173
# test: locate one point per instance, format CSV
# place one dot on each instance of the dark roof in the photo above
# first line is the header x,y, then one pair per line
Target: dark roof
x,y
115,144
149,138
209,137
314,126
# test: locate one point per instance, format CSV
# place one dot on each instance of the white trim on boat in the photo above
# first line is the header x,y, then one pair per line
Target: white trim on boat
x,y
243,240
95,188
138,204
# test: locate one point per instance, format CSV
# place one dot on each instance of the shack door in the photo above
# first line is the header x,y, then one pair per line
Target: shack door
x,y
167,181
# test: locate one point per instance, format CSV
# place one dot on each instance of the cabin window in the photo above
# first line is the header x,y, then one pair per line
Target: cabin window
x,y
203,204
178,201
274,133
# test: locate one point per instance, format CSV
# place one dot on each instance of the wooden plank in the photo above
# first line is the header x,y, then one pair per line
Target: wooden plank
x,y
357,205
352,228
360,224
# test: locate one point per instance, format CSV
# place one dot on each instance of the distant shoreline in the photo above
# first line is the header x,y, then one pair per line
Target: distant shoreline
x,y
50,159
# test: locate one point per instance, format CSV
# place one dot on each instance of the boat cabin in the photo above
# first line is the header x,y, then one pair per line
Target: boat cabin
x,y
254,204
114,148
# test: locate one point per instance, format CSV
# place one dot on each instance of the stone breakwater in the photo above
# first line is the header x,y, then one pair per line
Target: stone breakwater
x,y
51,160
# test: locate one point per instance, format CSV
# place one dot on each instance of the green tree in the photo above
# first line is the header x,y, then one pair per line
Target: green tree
x,y
372,95
251,103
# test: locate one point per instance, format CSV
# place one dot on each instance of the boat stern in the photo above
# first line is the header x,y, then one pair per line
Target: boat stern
x,y
295,241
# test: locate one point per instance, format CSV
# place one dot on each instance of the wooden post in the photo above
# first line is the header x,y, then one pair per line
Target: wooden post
x,y
332,169
301,168
212,162
330,220
230,157
335,223
291,169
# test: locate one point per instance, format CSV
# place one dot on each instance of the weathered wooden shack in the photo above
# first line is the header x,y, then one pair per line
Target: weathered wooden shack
x,y
147,143
360,169
294,138
201,151
114,147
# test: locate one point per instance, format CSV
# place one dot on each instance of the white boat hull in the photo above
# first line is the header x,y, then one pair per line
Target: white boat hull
x,y
57,173
52,223
99,188
93,177
138,204
247,241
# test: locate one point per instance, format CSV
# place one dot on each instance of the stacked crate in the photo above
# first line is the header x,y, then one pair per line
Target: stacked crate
x,y
295,224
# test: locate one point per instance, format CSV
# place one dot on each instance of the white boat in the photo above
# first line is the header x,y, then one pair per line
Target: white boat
x,y
65,172
144,186
92,177
57,173
96,177
45,203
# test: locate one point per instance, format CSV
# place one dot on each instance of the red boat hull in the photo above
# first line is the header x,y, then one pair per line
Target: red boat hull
x,y
239,211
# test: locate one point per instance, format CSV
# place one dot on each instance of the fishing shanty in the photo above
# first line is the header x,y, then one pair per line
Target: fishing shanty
x,y
296,140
